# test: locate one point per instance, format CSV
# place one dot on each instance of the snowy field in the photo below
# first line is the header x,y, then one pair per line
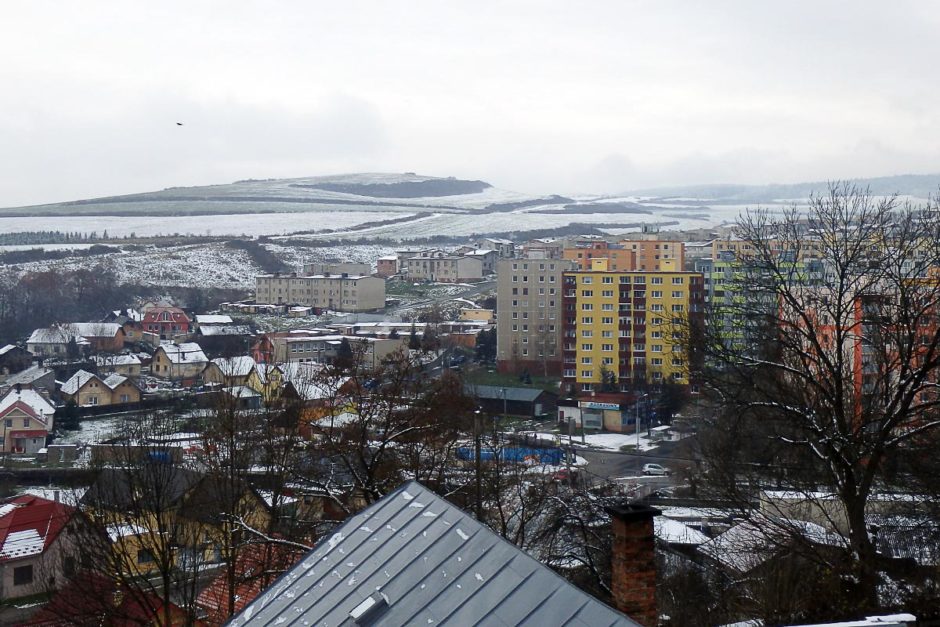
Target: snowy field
x,y
223,224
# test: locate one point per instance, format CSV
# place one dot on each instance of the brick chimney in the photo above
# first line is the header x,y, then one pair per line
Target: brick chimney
x,y
633,563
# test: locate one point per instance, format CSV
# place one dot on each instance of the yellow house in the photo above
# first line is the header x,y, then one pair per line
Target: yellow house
x,y
269,381
86,389
233,371
178,362
160,516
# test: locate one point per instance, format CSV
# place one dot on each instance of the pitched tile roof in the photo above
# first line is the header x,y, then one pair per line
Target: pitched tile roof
x,y
29,524
31,400
412,558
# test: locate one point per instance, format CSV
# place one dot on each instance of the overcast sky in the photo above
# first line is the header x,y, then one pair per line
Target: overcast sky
x,y
534,96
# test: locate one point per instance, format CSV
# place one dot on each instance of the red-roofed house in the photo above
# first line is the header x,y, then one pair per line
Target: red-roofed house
x,y
30,545
26,418
94,599
167,322
256,567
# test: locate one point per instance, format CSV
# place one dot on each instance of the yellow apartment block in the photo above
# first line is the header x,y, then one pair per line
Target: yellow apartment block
x,y
624,330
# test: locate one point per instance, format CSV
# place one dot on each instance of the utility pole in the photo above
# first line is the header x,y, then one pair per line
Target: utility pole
x,y
477,428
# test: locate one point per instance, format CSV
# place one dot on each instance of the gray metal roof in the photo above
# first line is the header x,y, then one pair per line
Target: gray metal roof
x,y
412,558
512,394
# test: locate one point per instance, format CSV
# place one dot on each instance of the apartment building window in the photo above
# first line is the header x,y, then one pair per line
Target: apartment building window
x,y
587,387
656,361
607,279
607,293
607,333
587,333
587,293
541,291
656,294
551,278
656,335
515,315
587,320
587,347
607,347
677,293
515,279
587,374
515,303
656,348
607,307
639,280
587,306
639,348
551,328
551,291
656,280
515,327
525,291
607,361
624,279
586,361
607,320
570,372
678,280
656,307
525,315
678,307
587,280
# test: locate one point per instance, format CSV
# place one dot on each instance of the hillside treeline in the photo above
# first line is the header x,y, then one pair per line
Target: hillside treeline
x,y
39,299
30,238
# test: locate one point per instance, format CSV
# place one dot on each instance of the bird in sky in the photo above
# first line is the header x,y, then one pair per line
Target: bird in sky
x,y
179,123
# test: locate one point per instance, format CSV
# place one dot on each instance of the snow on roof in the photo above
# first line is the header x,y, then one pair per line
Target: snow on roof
x,y
95,329
187,352
887,620
213,319
466,574
224,329
53,335
6,349
114,380
119,530
117,360
31,398
29,524
28,376
675,532
76,381
241,391
755,541
479,252
388,258
239,366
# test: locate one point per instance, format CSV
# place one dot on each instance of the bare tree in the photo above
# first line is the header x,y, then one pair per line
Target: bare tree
x,y
823,364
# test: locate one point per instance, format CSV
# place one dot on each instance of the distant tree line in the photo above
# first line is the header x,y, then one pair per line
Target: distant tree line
x,y
39,299
28,238
39,254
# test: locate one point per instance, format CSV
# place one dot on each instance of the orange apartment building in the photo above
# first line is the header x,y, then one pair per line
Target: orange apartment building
x,y
628,255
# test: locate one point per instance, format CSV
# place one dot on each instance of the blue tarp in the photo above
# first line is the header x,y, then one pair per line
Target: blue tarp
x,y
553,456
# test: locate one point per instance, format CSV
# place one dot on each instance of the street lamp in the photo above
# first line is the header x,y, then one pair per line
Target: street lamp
x,y
637,427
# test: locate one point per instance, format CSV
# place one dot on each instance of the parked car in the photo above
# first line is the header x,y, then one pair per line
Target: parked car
x,y
655,469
